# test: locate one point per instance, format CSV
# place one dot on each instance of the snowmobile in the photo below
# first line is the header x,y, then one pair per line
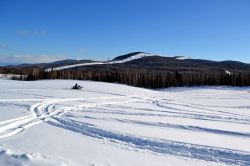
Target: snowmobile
x,y
76,86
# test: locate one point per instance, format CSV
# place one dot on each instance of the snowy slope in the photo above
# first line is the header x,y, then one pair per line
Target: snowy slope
x,y
181,57
47,123
140,55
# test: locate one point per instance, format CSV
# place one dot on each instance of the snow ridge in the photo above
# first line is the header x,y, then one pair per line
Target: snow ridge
x,y
10,158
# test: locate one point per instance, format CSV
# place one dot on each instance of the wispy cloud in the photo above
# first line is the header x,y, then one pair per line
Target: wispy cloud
x,y
82,49
20,59
21,32
3,45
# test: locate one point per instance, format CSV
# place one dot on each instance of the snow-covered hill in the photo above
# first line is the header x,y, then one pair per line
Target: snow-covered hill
x,y
181,57
47,123
130,58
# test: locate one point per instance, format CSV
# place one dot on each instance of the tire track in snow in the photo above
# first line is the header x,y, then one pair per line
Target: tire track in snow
x,y
177,113
173,126
168,147
14,126
205,108
45,110
223,116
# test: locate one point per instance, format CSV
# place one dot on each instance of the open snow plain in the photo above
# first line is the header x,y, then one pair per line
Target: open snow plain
x,y
47,123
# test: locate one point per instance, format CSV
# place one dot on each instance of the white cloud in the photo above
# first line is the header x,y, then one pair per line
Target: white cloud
x,y
20,59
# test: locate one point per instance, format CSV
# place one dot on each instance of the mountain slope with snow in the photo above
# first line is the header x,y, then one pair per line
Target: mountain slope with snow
x,y
47,123
154,63
115,61
181,57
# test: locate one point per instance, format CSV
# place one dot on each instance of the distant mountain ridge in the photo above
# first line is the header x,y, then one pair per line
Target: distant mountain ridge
x,y
142,60
118,60
121,57
147,61
141,69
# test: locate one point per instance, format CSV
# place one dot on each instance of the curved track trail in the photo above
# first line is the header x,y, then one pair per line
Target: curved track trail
x,y
43,111
151,122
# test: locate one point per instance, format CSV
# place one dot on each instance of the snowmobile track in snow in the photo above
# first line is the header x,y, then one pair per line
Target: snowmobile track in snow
x,y
167,147
51,112
43,111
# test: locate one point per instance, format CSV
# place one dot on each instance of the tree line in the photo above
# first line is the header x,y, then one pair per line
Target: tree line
x,y
140,78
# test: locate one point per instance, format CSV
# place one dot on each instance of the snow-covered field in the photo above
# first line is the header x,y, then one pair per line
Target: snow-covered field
x,y
47,123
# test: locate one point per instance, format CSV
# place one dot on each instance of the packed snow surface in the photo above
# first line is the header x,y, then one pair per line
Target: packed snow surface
x,y
134,57
47,123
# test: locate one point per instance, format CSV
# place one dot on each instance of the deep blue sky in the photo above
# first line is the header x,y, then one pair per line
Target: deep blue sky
x,y
97,29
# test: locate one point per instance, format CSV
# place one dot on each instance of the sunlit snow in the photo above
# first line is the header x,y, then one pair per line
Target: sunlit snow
x,y
48,123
